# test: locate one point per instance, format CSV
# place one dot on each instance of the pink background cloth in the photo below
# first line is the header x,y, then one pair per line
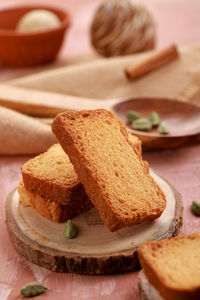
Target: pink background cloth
x,y
178,21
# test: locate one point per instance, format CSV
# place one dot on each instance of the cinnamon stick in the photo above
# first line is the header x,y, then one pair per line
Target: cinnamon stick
x,y
152,63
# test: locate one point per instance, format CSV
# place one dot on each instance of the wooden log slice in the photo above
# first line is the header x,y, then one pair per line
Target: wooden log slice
x,y
147,291
95,250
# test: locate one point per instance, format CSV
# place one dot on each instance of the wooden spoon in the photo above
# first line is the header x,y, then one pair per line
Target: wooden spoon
x,y
47,104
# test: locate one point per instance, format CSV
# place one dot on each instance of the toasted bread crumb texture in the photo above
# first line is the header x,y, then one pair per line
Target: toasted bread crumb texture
x,y
136,142
51,209
173,266
23,197
51,175
55,181
110,168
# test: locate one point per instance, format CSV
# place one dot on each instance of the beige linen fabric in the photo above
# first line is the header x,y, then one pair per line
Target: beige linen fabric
x,y
20,134
100,79
105,79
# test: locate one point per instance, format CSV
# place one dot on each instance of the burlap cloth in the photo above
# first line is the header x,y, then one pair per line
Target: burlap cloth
x,y
100,79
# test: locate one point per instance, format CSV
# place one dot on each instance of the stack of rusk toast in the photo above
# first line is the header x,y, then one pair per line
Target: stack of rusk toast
x,y
97,163
101,166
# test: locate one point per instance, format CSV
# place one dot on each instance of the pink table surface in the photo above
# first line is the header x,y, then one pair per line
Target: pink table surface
x,y
178,21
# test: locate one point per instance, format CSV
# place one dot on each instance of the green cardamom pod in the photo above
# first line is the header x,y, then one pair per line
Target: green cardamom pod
x,y
196,207
32,289
132,116
141,124
154,118
163,128
70,230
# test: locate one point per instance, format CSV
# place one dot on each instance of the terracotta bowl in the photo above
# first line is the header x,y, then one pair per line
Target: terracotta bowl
x,y
29,49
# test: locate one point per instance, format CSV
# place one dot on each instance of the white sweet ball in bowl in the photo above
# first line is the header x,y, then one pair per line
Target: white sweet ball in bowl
x,y
37,20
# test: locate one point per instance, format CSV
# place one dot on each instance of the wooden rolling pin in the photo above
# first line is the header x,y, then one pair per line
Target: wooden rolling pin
x,y
152,63
46,104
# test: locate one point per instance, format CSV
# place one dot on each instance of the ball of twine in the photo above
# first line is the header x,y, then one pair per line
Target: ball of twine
x,y
122,27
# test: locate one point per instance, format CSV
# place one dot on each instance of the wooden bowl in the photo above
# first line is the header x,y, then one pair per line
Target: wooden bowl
x,y
183,120
29,49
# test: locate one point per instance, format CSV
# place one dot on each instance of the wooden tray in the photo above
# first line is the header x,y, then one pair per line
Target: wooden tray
x,y
95,250
147,291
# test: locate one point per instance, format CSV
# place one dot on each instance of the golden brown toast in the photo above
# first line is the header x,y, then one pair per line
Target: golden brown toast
x,y
51,175
51,186
172,266
112,172
50,209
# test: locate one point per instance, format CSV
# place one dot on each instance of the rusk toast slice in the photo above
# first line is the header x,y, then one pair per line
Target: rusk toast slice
x,y
50,177
111,170
50,172
50,209
173,266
